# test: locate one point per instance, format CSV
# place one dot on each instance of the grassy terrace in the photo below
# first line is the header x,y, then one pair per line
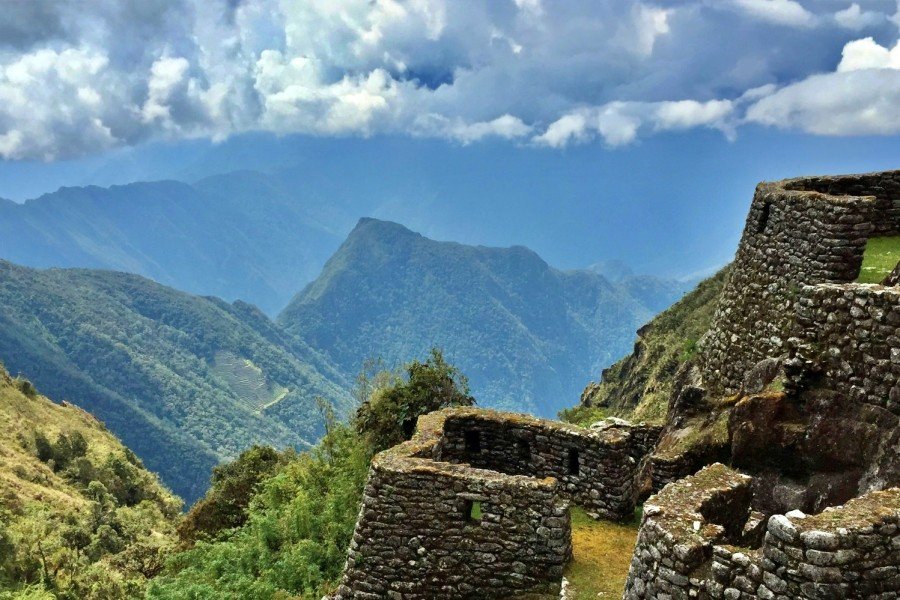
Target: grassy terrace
x,y
882,255
601,555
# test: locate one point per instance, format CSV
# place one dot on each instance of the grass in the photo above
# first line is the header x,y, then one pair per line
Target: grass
x,y
601,555
881,256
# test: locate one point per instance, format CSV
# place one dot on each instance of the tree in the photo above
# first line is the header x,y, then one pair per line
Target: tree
x,y
389,415
233,484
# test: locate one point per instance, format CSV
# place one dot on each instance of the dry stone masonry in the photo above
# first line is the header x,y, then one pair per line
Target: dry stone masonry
x,y
701,538
800,232
476,505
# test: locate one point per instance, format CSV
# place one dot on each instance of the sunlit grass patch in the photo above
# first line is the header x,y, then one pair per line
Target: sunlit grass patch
x,y
881,256
601,555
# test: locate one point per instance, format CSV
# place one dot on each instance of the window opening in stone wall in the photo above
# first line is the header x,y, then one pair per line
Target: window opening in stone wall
x,y
473,442
574,462
472,511
764,217
409,427
524,449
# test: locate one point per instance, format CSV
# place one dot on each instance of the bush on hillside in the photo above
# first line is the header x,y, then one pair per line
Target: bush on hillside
x,y
300,520
233,484
389,415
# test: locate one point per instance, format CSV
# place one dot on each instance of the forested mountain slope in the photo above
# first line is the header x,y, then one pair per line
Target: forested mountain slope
x,y
79,515
235,236
185,381
526,334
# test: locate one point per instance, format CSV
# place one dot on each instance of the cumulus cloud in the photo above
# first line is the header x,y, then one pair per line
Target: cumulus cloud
x,y
619,123
780,12
78,78
862,96
868,54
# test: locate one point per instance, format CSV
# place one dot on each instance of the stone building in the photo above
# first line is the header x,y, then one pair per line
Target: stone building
x,y
801,363
476,504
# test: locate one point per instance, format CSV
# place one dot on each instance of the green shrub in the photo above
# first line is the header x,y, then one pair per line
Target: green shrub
x,y
233,484
389,416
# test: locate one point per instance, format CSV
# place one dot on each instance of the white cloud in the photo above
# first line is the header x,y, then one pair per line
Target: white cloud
x,y
50,96
505,127
853,17
779,12
862,97
868,54
649,24
865,102
534,8
620,123
77,78
166,76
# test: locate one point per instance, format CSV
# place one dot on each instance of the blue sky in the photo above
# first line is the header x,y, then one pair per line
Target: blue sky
x,y
584,129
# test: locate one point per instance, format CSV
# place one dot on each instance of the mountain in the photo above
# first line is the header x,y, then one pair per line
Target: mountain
x,y
235,236
526,334
79,513
639,385
185,381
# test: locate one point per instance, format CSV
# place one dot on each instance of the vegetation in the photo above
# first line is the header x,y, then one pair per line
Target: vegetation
x,y
185,381
303,507
527,335
389,415
881,257
226,504
639,385
80,517
601,555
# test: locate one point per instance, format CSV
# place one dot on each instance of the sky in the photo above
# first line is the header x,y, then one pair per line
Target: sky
x,y
625,129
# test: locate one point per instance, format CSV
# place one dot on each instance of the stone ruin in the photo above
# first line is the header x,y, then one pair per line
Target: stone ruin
x,y
805,364
701,538
476,504
802,362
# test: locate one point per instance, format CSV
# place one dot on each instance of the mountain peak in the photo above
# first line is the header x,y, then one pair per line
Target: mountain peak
x,y
371,225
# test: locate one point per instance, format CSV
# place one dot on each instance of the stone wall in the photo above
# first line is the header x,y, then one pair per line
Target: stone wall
x,y
680,526
420,535
476,505
854,330
884,187
596,468
700,539
797,233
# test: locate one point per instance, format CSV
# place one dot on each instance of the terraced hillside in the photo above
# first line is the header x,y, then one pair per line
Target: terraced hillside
x,y
185,381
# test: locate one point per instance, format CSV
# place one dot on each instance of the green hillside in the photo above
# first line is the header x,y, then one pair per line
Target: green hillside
x,y
527,335
639,385
185,381
233,236
79,515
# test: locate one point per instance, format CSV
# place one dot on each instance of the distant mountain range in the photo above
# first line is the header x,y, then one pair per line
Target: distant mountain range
x,y
187,380
184,381
527,335
235,236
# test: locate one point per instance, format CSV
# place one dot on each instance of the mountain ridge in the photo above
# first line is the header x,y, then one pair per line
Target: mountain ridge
x,y
387,283
167,370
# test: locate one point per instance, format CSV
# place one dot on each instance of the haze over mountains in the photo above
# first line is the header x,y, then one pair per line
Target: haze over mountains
x,y
235,236
188,380
527,335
